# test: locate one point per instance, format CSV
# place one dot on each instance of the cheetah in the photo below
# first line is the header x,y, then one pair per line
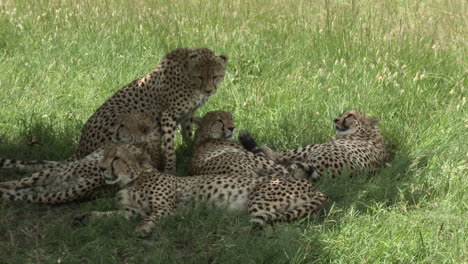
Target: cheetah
x,y
358,145
183,82
69,181
129,127
216,152
150,194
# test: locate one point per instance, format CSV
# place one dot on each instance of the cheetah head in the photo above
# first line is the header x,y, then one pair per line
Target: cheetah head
x,y
135,128
352,122
206,71
215,125
123,162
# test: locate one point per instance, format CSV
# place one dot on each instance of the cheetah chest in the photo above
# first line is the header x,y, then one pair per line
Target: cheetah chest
x,y
196,101
199,100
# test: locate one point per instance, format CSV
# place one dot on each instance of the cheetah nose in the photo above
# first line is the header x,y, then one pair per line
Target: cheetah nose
x,y
209,92
231,128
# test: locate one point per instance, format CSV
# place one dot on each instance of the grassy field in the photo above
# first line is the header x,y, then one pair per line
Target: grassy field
x,y
294,66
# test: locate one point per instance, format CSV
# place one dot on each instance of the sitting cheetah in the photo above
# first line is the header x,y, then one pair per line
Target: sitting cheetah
x,y
358,145
151,194
183,81
215,151
68,181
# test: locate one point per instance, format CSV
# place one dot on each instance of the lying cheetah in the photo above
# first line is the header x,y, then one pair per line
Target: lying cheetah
x,y
69,181
358,145
183,81
215,151
130,128
151,194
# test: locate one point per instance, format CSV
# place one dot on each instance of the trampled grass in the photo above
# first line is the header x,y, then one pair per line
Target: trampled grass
x,y
294,66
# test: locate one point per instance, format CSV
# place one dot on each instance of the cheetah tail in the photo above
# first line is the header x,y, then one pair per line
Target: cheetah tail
x,y
27,164
45,197
249,143
310,208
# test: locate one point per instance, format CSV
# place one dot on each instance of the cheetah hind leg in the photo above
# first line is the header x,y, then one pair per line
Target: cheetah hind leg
x,y
269,153
262,217
36,179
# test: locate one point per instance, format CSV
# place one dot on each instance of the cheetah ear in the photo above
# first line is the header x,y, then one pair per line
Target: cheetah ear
x,y
374,121
193,55
224,57
196,120
143,157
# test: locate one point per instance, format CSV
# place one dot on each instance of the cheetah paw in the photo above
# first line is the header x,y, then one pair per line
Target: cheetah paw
x,y
170,171
80,219
142,231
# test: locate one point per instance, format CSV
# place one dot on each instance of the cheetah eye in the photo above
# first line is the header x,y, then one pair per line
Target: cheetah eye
x,y
348,116
116,158
336,120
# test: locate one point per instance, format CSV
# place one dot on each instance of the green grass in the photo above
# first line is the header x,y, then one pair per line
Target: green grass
x,y
294,66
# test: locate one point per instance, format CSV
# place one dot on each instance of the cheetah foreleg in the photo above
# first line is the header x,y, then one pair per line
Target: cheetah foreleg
x,y
187,129
127,213
148,222
310,207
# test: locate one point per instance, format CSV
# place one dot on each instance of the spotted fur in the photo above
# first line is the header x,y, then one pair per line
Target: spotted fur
x,y
150,194
129,128
183,81
358,145
215,151
68,181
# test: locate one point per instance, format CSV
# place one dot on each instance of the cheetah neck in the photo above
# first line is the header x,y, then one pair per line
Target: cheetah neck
x,y
206,144
199,99
366,135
